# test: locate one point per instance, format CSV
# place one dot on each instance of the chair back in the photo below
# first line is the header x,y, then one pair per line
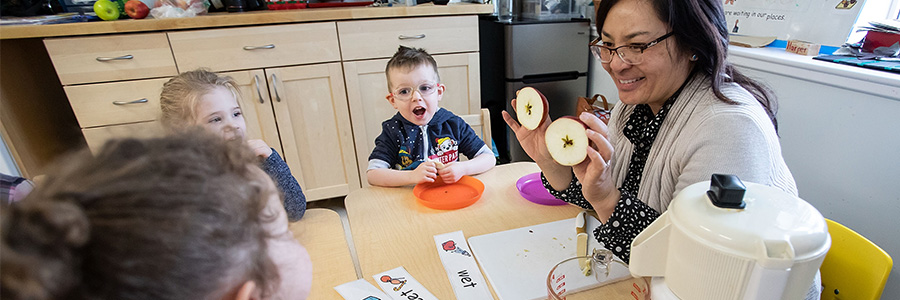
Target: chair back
x,y
481,123
854,268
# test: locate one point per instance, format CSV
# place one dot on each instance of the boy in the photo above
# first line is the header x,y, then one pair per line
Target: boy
x,y
422,141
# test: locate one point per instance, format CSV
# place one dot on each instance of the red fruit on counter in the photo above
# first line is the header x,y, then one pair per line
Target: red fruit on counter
x,y
136,9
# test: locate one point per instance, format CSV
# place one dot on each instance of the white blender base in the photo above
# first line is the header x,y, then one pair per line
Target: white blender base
x,y
660,291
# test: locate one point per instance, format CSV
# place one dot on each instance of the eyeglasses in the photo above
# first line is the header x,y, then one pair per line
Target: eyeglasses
x,y
406,93
630,54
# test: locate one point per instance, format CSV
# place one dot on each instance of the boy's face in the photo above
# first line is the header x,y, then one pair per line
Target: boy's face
x,y
416,93
218,112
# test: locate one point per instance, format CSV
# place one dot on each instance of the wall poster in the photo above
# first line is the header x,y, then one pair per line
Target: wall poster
x,y
826,22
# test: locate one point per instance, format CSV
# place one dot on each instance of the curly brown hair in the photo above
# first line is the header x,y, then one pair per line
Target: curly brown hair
x,y
179,217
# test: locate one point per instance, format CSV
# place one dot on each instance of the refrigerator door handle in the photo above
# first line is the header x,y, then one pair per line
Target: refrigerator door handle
x,y
531,79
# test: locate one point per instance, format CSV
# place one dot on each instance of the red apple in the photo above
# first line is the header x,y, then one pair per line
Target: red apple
x,y
566,141
136,9
532,107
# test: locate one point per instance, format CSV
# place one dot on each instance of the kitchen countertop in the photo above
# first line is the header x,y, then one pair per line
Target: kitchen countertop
x,y
266,17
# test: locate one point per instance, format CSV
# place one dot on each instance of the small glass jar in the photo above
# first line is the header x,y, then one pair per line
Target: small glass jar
x,y
569,280
504,10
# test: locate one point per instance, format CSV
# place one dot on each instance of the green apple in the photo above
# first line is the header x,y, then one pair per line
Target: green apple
x,y
106,10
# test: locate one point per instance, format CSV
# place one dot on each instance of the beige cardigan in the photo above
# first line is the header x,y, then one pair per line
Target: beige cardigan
x,y
702,135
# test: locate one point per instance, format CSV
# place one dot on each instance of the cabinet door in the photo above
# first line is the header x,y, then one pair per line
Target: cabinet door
x,y
367,88
314,125
257,107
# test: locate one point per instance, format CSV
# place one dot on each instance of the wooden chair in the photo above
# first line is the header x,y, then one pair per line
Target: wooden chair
x,y
854,268
481,123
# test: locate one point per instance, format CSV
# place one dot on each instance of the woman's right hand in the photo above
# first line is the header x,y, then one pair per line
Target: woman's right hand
x,y
532,141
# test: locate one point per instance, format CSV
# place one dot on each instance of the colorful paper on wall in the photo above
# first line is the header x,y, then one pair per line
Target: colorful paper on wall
x,y
360,290
461,268
398,284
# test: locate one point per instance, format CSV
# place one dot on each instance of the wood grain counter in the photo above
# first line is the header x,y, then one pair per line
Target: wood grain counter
x,y
240,19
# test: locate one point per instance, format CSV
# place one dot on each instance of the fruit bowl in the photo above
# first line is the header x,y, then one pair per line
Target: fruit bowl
x,y
439,195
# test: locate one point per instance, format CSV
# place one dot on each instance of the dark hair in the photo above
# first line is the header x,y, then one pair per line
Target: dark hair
x,y
699,28
180,217
407,58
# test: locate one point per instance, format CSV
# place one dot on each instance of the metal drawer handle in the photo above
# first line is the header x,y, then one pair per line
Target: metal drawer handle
x,y
258,92
269,46
142,100
275,87
415,37
115,58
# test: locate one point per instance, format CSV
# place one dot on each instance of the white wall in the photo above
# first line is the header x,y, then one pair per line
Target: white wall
x,y
7,165
840,136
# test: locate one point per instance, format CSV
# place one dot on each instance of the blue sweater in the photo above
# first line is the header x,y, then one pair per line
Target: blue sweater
x,y
294,200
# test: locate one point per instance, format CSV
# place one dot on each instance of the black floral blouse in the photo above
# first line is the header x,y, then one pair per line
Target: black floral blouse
x,y
631,215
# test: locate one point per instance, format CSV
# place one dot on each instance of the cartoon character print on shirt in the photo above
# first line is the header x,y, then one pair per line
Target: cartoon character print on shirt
x,y
445,150
406,161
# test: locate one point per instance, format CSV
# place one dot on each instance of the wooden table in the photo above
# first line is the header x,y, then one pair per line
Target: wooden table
x,y
321,232
390,229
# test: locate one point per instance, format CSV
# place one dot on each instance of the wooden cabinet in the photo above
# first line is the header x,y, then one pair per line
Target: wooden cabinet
x,y
105,80
367,83
301,111
294,99
313,121
111,58
255,47
315,92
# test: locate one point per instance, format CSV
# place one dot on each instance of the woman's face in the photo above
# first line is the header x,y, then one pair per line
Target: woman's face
x,y
663,67
291,259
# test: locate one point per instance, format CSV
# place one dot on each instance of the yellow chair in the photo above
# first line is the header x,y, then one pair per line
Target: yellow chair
x,y
854,268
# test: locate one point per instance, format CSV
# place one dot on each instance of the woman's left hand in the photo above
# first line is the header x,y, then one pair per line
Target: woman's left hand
x,y
595,172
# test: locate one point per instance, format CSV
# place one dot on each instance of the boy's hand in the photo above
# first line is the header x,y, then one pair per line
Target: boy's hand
x,y
425,172
260,148
451,172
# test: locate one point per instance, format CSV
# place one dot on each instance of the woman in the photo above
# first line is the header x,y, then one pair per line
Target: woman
x,y
182,217
684,114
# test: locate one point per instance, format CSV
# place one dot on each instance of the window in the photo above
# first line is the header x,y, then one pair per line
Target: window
x,y
872,11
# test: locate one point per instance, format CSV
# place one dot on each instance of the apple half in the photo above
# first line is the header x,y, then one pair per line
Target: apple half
x,y
566,141
531,107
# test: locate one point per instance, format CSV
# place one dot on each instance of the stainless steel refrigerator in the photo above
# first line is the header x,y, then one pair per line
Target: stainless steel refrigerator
x,y
551,56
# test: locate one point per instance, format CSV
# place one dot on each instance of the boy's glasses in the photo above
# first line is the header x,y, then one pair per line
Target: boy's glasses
x,y
406,93
630,54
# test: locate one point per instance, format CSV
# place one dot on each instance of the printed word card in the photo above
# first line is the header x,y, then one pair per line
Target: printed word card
x,y
462,270
360,290
400,285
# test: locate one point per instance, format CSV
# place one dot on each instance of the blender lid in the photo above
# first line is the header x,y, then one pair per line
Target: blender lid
x,y
773,227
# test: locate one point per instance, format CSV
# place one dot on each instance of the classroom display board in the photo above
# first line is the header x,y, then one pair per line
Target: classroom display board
x,y
826,22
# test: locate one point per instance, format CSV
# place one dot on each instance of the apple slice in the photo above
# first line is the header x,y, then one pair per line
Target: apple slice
x,y
566,141
531,107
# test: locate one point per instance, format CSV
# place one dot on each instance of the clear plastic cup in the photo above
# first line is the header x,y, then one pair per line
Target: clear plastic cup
x,y
608,278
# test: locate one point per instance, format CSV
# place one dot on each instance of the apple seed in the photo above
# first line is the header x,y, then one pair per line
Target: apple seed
x,y
567,141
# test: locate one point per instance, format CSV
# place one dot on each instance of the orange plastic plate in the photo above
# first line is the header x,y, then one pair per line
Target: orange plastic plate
x,y
439,195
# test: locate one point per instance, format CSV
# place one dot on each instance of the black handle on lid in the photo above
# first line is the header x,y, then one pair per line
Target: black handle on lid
x,y
726,191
